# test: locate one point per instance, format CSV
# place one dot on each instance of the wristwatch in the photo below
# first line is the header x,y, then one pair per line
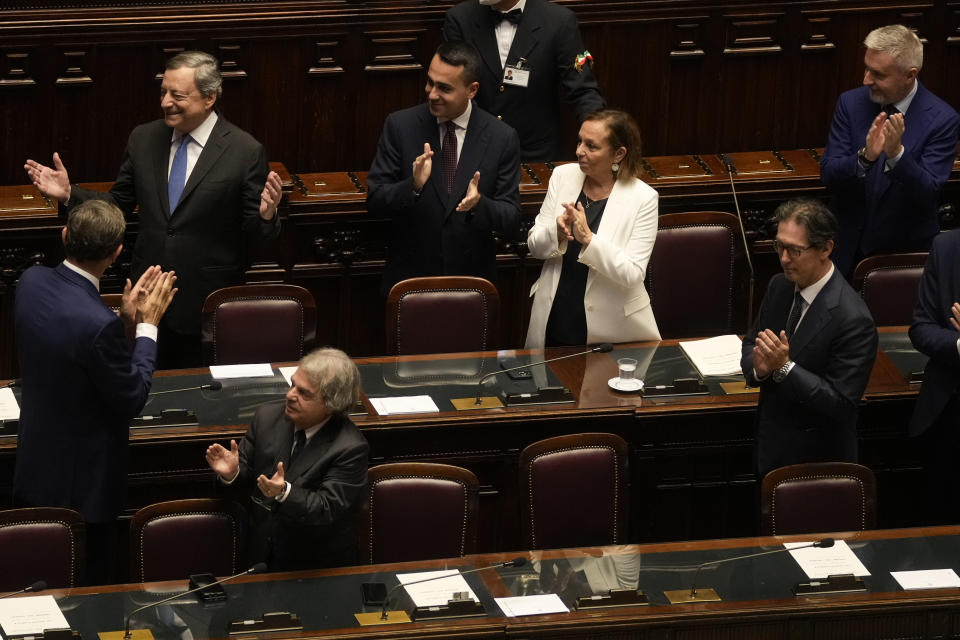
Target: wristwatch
x,y
779,374
862,158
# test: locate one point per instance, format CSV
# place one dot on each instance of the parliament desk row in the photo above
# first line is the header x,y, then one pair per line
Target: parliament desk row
x,y
331,246
757,595
691,456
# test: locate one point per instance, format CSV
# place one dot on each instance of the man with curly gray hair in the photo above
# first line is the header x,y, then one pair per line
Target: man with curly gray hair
x,y
890,151
304,464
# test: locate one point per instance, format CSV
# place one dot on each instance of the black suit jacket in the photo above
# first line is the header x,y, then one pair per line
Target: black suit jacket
x,y
205,240
548,39
431,238
812,415
82,384
315,527
932,333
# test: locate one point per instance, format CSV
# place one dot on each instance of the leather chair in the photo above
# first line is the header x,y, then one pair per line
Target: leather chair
x,y
417,511
696,276
818,497
172,540
574,491
889,284
258,323
41,543
442,315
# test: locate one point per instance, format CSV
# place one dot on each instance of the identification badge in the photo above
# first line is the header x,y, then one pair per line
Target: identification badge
x,y
517,76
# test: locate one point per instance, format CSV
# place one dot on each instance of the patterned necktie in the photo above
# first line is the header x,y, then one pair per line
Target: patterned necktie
x,y
299,440
178,173
448,155
794,318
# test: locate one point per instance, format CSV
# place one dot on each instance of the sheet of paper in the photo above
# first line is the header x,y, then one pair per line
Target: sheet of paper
x,y
531,605
927,579
819,563
404,404
30,615
224,371
719,356
435,592
287,373
9,409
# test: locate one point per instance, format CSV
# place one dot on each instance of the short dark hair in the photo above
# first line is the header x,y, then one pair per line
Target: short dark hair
x,y
623,132
814,216
206,71
462,54
95,229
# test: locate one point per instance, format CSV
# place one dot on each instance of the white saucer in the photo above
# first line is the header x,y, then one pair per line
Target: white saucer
x,y
625,385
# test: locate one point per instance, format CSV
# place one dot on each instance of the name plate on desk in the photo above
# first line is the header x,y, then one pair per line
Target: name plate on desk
x,y
758,163
666,167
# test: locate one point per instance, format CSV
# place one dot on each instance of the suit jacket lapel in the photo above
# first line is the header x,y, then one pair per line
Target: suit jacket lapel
x,y
161,161
430,132
487,41
217,144
474,145
817,315
313,450
525,39
915,119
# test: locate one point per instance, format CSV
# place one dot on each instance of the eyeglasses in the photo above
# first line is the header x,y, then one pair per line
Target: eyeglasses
x,y
793,252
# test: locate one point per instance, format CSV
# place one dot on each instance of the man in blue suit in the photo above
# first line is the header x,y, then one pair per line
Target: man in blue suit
x,y
935,331
85,371
811,350
444,217
890,151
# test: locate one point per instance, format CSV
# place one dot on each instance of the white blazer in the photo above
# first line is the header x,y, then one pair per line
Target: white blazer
x,y
615,301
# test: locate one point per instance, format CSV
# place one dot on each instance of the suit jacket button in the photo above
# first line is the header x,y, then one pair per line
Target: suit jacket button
x,y
501,88
499,117
171,233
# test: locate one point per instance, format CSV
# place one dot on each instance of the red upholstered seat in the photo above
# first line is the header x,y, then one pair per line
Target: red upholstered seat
x,y
574,491
258,323
696,276
889,284
41,543
442,315
172,540
418,511
818,497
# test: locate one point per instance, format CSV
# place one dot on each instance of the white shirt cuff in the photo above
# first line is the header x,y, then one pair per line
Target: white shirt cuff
x,y
146,330
230,481
958,345
892,162
286,492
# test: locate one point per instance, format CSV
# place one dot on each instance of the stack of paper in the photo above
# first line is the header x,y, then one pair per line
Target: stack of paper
x,y
718,356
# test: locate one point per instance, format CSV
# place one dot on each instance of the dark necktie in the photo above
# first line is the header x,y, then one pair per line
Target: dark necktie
x,y
178,173
448,156
794,318
890,110
299,441
513,17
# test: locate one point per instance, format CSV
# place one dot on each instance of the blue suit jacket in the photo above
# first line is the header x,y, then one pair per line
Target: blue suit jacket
x,y
431,238
887,211
931,332
812,415
548,39
81,387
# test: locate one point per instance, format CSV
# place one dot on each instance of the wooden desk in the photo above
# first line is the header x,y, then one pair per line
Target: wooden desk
x,y
757,592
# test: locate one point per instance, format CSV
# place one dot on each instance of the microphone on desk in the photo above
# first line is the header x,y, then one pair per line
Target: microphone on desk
x,y
16,382
728,164
516,562
606,347
215,385
260,567
39,585
680,596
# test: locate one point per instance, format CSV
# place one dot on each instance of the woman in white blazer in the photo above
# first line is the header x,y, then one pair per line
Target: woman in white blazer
x,y
595,231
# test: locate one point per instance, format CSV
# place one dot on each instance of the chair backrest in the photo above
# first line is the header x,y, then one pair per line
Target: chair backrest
x,y
442,315
41,543
258,323
889,284
818,497
418,511
172,540
696,276
574,491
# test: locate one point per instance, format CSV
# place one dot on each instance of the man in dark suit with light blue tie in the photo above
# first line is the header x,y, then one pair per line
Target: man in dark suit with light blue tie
x,y
935,332
86,372
530,50
811,350
201,189
890,151
446,199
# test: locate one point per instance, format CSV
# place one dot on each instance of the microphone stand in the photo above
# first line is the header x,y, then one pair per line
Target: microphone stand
x,y
743,233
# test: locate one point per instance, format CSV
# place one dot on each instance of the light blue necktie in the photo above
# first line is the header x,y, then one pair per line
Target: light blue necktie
x,y
178,173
